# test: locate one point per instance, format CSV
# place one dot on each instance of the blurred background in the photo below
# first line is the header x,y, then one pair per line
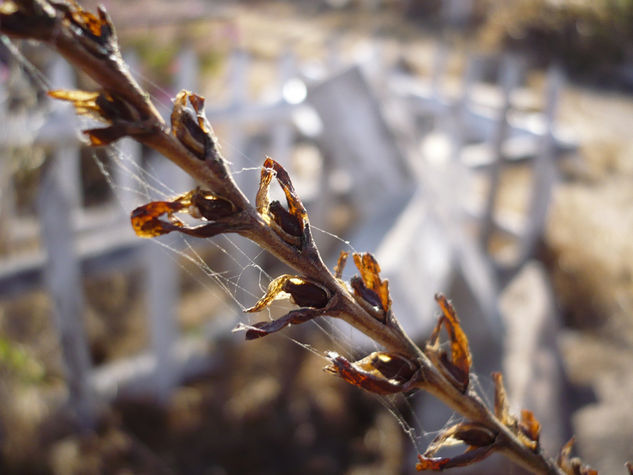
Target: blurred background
x,y
478,148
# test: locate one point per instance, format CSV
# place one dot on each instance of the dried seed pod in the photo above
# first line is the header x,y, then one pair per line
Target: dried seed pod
x,y
303,292
380,372
211,206
291,224
224,216
286,221
95,32
28,19
480,442
195,133
102,106
294,317
37,19
311,296
573,465
307,294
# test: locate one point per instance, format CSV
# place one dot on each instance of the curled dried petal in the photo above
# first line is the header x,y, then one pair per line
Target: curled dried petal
x,y
262,200
380,372
530,427
435,464
565,451
145,220
457,368
295,207
84,102
370,290
340,264
88,21
438,464
502,408
261,329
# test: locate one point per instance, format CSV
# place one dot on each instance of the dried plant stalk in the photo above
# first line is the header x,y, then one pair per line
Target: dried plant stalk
x,y
89,42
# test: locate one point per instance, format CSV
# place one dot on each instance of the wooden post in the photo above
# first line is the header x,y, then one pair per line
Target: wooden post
x,y
161,268
63,280
440,60
68,164
59,201
509,79
162,293
358,140
470,261
333,60
544,173
161,280
471,76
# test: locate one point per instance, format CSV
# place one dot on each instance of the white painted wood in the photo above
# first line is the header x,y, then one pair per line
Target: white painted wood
x,y
545,174
459,127
63,281
356,139
510,74
440,59
161,280
68,166
532,365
